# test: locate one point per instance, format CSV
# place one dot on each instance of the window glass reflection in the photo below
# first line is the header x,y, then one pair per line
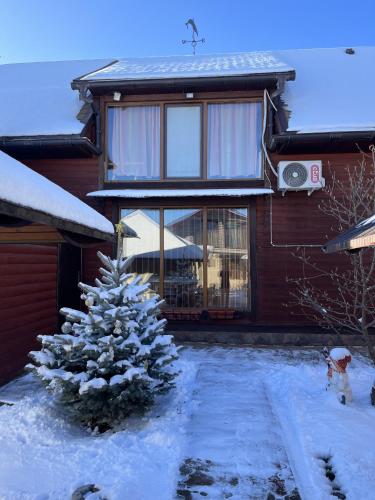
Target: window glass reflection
x,y
227,270
145,246
183,258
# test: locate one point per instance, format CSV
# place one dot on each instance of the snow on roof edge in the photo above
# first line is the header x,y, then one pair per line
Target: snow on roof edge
x,y
168,193
24,187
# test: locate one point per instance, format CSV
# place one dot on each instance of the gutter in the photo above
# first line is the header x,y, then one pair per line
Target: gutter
x,y
42,141
280,142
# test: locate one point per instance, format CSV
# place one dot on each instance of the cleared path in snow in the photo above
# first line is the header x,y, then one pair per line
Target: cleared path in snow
x,y
234,445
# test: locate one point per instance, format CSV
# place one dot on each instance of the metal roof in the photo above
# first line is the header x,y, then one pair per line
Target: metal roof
x,y
360,236
188,66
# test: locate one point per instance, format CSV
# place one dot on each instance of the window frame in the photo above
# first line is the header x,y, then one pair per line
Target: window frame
x,y
204,205
164,103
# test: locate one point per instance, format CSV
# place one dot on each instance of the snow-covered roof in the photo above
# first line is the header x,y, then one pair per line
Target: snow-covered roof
x,y
37,99
23,187
177,193
189,66
333,91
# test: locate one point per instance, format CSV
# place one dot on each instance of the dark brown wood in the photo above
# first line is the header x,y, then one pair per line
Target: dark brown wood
x,y
296,220
28,304
180,96
32,233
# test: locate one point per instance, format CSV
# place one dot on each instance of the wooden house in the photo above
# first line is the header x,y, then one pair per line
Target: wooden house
x,y
216,163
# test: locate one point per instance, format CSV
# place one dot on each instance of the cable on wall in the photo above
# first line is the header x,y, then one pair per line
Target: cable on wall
x,y
266,97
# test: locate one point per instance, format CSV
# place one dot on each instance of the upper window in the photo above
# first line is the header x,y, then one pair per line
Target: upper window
x,y
234,134
183,142
231,131
134,143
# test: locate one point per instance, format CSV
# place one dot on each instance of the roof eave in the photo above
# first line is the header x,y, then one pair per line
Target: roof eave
x,y
22,213
74,142
258,80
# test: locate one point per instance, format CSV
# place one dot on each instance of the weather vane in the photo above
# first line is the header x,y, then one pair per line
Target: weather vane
x,y
194,41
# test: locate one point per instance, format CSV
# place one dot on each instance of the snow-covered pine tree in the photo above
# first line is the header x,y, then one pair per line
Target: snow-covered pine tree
x,y
111,361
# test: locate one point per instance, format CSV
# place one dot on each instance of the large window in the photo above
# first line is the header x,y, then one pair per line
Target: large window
x,y
196,258
205,141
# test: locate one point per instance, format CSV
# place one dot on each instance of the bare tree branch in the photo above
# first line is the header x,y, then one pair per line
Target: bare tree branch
x,y
346,301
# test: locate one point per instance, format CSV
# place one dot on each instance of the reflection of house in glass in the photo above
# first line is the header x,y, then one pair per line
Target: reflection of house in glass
x,y
191,267
182,258
227,264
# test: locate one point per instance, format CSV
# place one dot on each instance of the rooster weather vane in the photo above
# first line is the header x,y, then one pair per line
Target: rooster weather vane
x,y
194,41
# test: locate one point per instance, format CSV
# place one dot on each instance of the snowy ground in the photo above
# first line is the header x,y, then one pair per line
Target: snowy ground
x,y
243,423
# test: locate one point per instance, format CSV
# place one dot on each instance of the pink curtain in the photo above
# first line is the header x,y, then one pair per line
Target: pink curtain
x,y
234,138
134,142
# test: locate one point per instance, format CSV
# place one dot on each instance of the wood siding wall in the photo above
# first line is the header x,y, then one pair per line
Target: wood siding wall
x,y
297,220
28,301
33,233
79,176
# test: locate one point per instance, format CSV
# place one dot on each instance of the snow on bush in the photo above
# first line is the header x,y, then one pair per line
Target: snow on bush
x,y
113,360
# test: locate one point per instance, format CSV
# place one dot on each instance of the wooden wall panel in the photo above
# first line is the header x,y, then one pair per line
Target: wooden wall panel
x,y
91,263
28,301
296,220
78,176
33,233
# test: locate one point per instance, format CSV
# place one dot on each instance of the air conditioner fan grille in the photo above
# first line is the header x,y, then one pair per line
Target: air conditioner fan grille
x,y
295,175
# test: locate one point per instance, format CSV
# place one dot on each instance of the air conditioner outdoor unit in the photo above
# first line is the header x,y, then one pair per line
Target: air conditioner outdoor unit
x,y
300,176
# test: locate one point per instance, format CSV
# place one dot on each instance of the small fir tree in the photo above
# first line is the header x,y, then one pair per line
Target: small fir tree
x,y
113,360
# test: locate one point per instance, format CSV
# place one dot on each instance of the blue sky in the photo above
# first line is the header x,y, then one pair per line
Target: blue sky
x,y
39,30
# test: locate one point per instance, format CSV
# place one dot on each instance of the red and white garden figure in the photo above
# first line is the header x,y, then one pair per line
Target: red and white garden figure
x,y
337,360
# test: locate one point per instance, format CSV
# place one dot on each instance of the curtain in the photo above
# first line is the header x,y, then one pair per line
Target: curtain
x,y
134,142
234,139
